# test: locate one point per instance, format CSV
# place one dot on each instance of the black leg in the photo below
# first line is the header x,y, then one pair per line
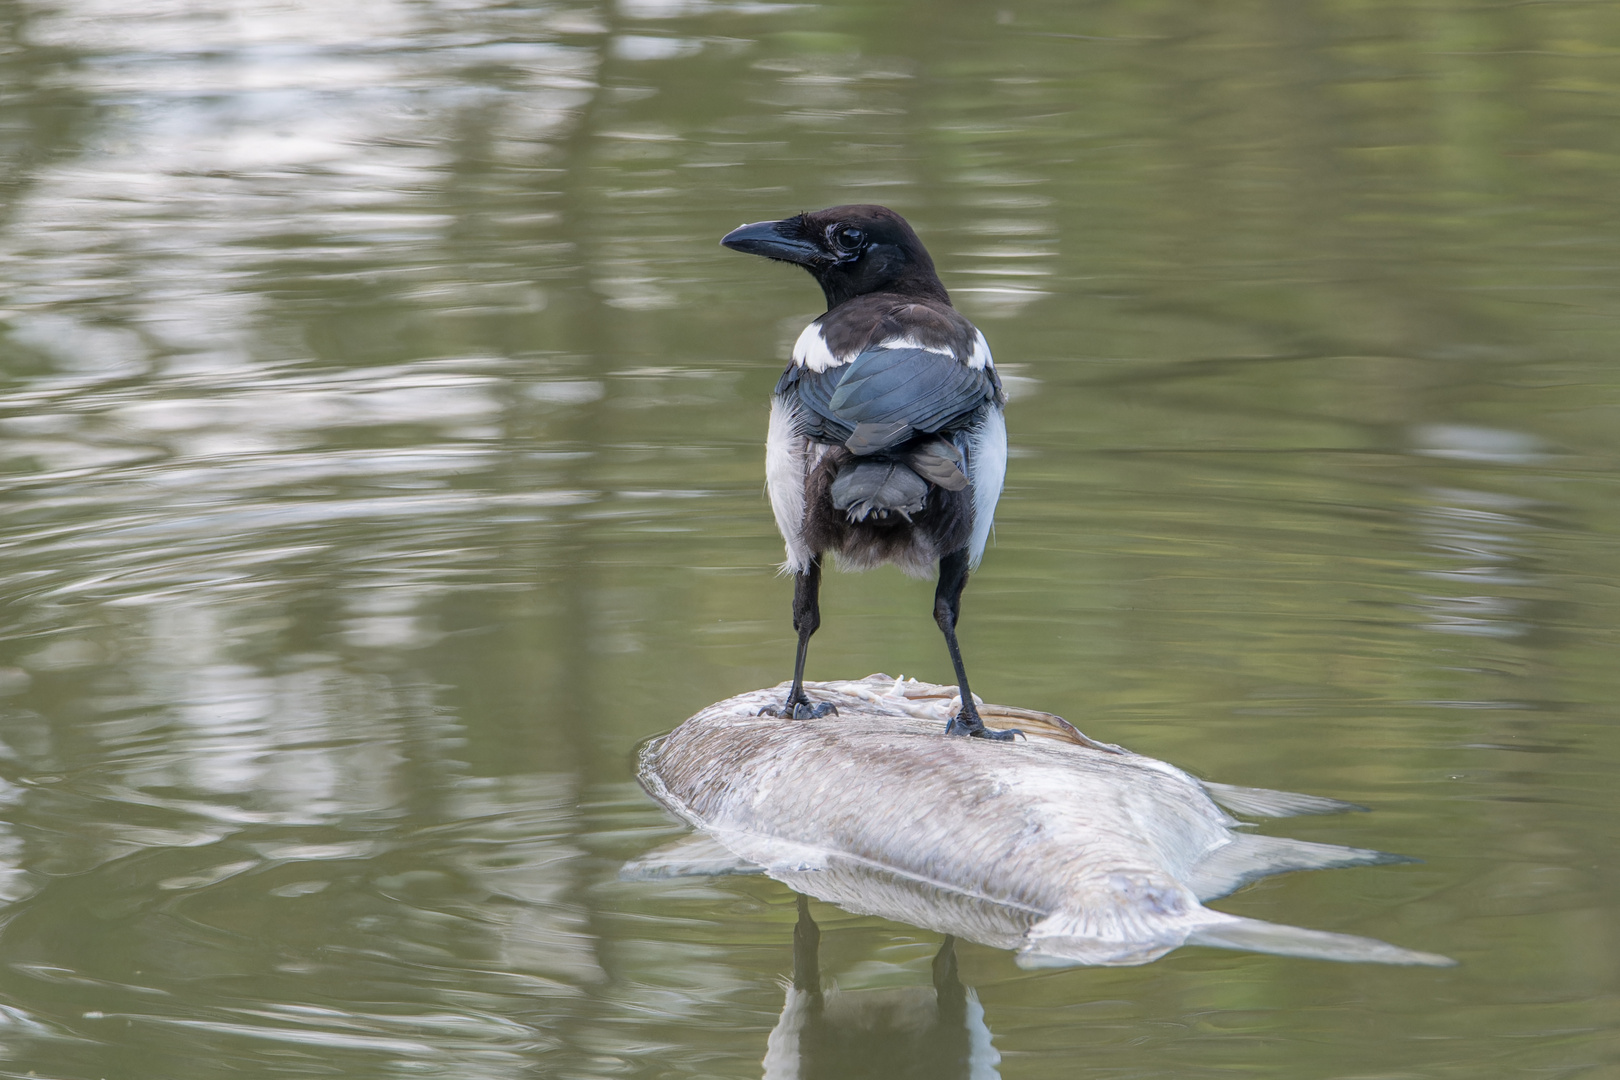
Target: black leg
x,y
950,1049
948,988
806,943
953,575
806,620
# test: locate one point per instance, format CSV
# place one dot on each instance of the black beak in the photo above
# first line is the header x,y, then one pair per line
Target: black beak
x,y
780,240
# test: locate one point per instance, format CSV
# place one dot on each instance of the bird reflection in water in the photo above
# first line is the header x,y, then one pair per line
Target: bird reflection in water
x,y
936,1033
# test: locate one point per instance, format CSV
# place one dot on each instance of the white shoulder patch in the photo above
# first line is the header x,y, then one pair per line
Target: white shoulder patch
x,y
908,342
811,351
980,359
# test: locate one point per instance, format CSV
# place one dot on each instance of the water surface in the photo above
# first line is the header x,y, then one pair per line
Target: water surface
x,y
380,447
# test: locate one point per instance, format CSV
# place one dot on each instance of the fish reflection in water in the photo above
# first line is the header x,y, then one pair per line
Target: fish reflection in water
x,y
1066,850
930,1033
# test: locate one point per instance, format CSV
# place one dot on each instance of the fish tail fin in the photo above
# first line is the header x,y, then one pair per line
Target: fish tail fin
x,y
1249,857
1253,935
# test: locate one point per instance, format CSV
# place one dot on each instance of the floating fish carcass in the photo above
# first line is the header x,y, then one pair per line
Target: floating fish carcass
x,y
1067,850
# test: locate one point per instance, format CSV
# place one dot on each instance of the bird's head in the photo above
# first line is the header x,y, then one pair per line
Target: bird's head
x,y
849,250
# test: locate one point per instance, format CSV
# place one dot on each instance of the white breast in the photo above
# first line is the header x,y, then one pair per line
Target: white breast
x,y
987,469
789,457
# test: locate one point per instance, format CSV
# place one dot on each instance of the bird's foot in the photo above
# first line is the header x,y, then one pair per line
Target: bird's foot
x,y
967,722
799,707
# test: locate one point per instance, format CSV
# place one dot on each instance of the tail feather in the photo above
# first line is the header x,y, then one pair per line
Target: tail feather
x,y
940,463
865,488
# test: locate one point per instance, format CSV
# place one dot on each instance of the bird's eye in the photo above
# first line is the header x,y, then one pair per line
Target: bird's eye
x,y
848,238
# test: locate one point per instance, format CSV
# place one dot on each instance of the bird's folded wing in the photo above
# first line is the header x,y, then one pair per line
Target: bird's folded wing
x,y
885,396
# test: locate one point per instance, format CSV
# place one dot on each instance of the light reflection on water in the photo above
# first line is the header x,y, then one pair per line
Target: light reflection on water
x,y
380,458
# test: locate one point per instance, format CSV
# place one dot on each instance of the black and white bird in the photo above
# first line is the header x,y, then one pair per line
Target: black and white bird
x,y
886,442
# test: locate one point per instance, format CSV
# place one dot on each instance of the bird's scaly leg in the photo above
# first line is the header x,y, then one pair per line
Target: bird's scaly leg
x,y
953,575
806,620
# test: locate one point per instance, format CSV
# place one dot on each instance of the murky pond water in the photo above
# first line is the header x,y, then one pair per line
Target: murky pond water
x,y
381,459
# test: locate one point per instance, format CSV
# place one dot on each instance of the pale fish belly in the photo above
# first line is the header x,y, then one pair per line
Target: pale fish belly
x,y
1066,850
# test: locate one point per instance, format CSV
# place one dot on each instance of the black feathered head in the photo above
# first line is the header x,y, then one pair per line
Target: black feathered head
x,y
849,250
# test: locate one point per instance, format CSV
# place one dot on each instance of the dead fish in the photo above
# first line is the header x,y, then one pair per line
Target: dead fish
x,y
1067,850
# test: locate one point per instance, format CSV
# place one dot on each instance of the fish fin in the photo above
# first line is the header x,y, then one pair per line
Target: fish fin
x,y
1262,802
1134,919
1253,935
791,858
690,856
1070,939
1081,953
1249,858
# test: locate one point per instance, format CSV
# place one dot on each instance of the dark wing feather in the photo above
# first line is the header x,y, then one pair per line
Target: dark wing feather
x,y
884,396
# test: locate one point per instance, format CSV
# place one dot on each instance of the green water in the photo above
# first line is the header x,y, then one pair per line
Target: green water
x,y
381,448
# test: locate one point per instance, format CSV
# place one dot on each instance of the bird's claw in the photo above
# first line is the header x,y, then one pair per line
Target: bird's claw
x,y
803,709
1003,735
966,723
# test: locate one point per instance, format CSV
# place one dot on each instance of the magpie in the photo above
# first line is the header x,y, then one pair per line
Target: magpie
x,y
886,441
